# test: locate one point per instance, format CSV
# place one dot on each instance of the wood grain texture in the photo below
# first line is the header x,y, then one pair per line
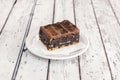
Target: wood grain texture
x,y
99,20
115,6
12,36
5,10
64,69
32,67
93,63
110,28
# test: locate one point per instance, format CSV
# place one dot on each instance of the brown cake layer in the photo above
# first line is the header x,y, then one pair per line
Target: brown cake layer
x,y
59,34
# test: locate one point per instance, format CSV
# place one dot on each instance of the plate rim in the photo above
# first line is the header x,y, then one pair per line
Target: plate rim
x,y
58,58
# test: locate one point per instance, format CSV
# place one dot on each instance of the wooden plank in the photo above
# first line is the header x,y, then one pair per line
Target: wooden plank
x,y
93,63
64,69
32,67
5,10
110,28
12,36
115,6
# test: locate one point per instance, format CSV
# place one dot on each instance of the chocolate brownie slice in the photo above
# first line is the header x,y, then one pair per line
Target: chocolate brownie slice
x,y
59,34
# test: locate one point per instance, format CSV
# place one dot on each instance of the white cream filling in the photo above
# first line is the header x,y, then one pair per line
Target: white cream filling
x,y
65,42
61,43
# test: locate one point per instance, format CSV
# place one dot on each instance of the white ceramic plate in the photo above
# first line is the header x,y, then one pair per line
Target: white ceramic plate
x,y
36,47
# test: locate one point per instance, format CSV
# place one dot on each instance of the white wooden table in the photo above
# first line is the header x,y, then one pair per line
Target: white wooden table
x,y
99,20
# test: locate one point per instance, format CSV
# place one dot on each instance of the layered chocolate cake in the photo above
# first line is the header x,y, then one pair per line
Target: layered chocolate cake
x,y
59,34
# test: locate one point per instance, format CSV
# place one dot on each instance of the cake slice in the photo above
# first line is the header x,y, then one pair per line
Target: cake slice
x,y
59,34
